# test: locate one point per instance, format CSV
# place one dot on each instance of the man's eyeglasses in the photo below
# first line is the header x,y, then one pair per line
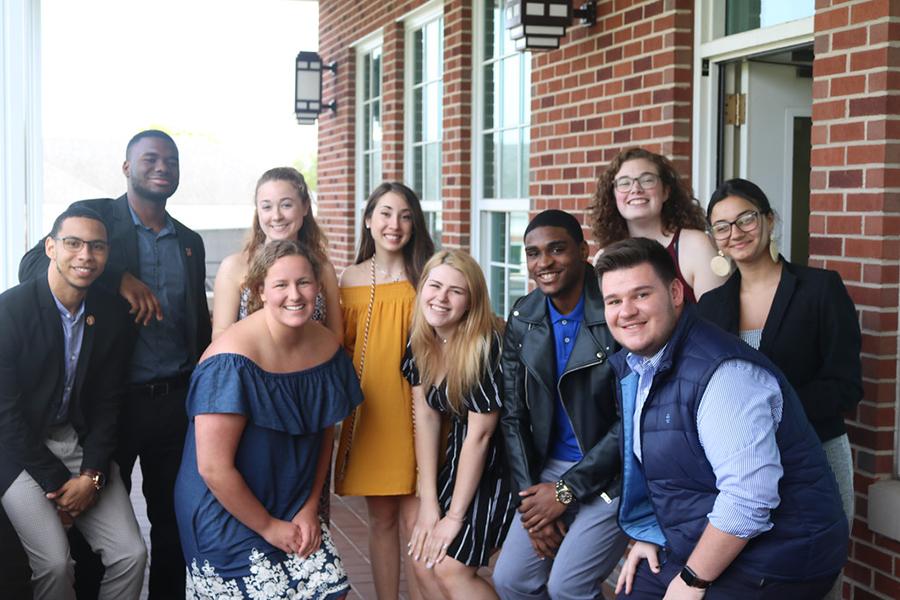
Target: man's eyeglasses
x,y
647,181
74,244
746,222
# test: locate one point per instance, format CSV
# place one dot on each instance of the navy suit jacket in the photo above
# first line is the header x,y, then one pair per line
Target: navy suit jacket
x,y
32,378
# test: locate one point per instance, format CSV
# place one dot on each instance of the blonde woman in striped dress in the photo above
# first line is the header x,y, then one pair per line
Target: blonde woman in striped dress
x,y
453,363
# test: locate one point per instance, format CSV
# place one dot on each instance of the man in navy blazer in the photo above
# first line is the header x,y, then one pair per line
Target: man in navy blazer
x,y
158,265
63,357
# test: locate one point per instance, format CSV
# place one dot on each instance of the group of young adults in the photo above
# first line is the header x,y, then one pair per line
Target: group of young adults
x,y
617,402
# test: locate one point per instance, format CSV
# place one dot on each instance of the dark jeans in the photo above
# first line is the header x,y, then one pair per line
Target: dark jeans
x,y
731,585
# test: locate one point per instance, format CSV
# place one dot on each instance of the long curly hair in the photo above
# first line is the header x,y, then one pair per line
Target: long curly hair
x,y
679,211
310,234
266,257
417,250
468,353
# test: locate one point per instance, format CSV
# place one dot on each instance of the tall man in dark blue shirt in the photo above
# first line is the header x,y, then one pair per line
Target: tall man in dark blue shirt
x,y
158,265
560,425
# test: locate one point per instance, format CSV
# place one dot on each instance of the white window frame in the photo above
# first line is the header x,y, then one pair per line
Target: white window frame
x,y
21,153
412,22
709,45
363,47
481,244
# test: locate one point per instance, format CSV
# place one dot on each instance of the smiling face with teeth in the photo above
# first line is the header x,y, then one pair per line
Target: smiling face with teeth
x,y
391,223
556,263
280,210
152,169
638,204
641,310
75,270
444,299
289,291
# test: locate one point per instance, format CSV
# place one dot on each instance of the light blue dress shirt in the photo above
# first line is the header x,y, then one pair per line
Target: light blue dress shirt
x,y
737,418
73,333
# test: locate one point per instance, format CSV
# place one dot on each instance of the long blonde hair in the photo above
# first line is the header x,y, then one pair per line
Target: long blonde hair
x,y
469,352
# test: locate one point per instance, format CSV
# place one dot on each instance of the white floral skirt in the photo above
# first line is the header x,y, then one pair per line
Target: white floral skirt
x,y
321,576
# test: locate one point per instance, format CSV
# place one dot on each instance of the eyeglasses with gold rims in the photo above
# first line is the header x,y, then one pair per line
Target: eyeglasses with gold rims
x,y
746,222
646,181
74,244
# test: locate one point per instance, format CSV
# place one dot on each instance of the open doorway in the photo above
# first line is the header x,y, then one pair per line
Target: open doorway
x,y
764,135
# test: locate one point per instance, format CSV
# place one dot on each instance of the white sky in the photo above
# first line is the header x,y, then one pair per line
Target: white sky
x,y
218,74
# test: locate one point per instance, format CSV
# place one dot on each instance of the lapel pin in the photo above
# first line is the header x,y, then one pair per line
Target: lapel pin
x,y
89,320
188,251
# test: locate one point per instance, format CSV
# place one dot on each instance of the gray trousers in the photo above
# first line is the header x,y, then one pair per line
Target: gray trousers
x,y
837,451
109,527
590,550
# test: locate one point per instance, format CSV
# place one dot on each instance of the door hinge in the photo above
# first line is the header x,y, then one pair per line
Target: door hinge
x,y
735,109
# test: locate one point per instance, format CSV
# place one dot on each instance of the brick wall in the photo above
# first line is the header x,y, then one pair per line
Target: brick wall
x,y
855,229
626,81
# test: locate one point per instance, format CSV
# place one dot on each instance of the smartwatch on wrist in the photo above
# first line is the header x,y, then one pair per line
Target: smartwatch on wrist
x,y
691,580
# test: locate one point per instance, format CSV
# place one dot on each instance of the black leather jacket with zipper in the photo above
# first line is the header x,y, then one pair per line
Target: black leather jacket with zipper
x,y
587,389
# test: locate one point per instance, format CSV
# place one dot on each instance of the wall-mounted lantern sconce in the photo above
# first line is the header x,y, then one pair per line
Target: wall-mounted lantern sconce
x,y
308,88
539,24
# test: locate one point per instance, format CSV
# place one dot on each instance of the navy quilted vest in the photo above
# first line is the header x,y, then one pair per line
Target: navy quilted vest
x,y
809,536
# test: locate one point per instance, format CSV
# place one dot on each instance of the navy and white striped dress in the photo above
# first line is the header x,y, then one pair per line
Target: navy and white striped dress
x,y
491,510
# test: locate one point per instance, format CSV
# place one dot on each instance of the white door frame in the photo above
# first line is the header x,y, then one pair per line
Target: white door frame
x,y
711,49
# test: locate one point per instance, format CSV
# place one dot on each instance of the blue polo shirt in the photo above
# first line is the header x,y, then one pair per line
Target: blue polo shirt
x,y
564,445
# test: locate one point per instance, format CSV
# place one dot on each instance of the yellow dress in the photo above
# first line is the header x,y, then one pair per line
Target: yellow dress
x,y
381,459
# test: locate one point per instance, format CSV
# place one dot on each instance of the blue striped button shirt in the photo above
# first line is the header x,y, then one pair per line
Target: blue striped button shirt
x,y
737,418
73,333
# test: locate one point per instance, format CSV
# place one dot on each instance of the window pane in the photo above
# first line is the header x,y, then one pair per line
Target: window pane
x,y
376,72
376,171
367,77
367,132
435,227
417,167
491,89
376,124
419,61
418,114
509,164
744,15
432,185
518,221
432,50
490,14
498,236
432,110
488,166
512,92
525,167
497,283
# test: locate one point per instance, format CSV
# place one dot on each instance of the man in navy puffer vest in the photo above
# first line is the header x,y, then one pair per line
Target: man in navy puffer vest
x,y
726,489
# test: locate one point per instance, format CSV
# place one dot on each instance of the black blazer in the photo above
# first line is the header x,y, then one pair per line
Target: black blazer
x,y
32,377
811,334
123,256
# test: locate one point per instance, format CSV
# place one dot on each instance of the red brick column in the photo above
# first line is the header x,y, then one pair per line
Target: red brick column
x,y
626,81
855,229
456,180
392,101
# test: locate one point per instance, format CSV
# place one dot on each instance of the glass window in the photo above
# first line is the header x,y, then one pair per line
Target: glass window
x,y
507,276
502,137
427,110
370,122
745,15
435,226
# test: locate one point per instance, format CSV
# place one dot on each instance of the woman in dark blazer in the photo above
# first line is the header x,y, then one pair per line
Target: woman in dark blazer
x,y
800,317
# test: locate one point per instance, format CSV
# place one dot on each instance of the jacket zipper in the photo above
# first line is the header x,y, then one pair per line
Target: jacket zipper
x,y
603,495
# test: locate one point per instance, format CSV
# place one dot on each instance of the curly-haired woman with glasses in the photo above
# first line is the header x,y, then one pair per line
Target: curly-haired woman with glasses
x,y
641,195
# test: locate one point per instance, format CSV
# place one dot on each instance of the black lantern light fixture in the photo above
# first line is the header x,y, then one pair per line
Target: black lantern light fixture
x,y
308,88
539,24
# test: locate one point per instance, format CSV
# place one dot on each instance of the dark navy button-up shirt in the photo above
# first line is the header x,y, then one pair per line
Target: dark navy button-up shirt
x,y
161,350
564,445
73,333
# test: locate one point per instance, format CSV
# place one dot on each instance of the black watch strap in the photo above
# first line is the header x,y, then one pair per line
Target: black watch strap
x,y
691,579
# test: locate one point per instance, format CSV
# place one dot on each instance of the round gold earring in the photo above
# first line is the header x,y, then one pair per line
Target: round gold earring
x,y
773,249
720,265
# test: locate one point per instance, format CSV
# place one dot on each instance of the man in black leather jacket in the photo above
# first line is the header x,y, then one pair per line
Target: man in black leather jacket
x,y
559,423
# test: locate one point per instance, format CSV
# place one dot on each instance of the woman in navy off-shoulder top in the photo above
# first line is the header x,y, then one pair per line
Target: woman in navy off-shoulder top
x,y
262,404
